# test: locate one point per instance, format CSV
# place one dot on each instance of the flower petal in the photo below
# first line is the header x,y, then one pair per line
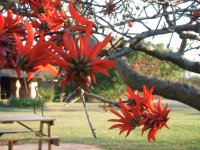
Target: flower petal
x,y
78,17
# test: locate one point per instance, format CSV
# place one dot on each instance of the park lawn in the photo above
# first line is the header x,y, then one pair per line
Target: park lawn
x,y
71,124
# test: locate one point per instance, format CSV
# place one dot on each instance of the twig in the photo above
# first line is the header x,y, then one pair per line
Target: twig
x,y
113,102
25,84
38,97
88,118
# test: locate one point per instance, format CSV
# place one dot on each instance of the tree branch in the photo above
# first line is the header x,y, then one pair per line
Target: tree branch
x,y
173,57
180,28
113,102
175,91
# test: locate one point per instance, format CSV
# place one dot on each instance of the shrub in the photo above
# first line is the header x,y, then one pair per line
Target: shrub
x,y
25,103
47,94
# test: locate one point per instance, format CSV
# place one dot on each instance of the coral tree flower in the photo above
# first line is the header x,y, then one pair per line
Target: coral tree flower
x,y
109,8
128,119
32,58
196,13
155,120
9,24
83,22
130,24
48,18
42,6
80,63
78,59
139,110
145,101
48,22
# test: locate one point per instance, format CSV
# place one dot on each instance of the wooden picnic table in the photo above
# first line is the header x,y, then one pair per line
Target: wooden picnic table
x,y
40,134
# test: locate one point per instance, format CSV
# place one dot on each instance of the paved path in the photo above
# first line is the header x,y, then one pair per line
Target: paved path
x,y
61,147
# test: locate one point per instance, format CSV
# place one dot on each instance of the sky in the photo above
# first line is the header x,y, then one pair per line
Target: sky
x,y
175,42
193,55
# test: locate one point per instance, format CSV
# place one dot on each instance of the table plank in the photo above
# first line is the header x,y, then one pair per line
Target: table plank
x,y
6,119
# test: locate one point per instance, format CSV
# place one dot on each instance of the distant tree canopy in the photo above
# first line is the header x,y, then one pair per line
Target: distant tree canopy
x,y
153,67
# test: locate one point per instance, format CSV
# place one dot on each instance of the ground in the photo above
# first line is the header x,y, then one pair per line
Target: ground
x,y
61,147
72,126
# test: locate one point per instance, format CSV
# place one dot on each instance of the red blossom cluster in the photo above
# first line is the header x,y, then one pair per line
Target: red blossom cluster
x,y
195,16
196,13
9,25
143,64
80,61
109,8
32,52
139,111
46,15
130,24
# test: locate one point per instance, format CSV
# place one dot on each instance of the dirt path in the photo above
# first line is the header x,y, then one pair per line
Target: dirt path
x,y
70,146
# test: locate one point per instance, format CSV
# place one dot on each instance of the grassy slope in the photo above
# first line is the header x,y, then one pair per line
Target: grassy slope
x,y
72,126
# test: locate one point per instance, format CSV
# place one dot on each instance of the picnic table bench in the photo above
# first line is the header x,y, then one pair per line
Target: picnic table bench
x,y
40,135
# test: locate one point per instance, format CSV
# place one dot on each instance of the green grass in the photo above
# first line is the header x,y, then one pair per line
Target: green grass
x,y
71,124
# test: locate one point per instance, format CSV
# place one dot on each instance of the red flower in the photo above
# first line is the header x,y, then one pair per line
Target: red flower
x,y
146,101
83,22
130,24
7,54
42,6
47,22
127,121
11,24
48,18
139,110
80,61
196,13
32,58
195,16
155,120
109,8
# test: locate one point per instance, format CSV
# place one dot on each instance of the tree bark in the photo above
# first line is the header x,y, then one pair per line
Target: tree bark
x,y
171,90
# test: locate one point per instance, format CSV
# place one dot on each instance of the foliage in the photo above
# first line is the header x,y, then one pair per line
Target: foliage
x,y
150,66
194,81
25,103
47,94
110,88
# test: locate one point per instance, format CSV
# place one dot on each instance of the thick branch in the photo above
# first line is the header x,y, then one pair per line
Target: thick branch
x,y
173,57
190,36
175,91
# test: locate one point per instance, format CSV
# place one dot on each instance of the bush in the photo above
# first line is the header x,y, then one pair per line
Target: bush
x,y
25,103
47,94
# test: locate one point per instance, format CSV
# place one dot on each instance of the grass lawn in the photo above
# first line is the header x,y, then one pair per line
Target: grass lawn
x,y
71,124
